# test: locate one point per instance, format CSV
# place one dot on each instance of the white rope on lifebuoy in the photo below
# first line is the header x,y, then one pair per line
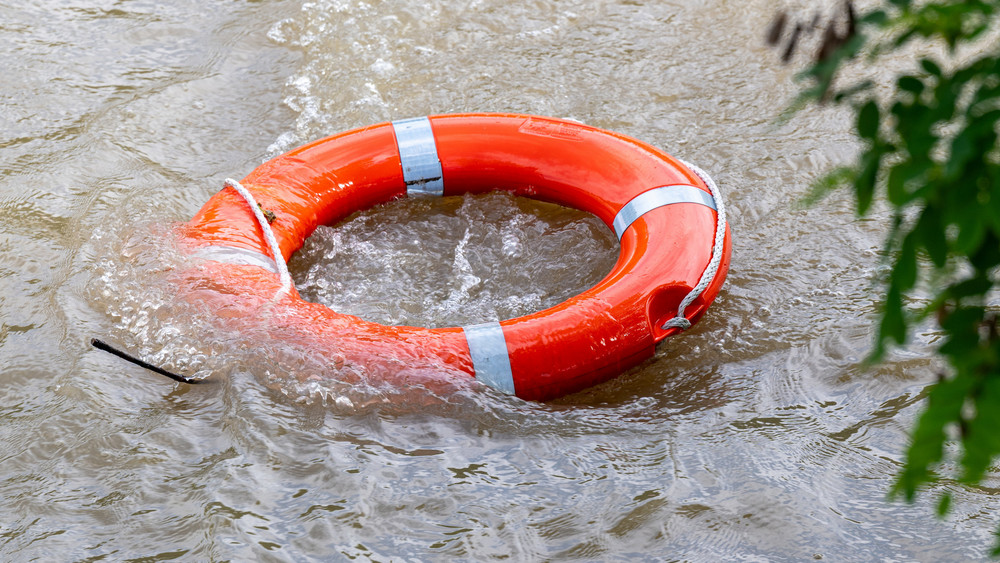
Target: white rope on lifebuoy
x,y
680,321
279,260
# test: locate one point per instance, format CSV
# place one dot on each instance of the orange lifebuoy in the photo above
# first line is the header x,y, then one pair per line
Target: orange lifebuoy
x,y
662,210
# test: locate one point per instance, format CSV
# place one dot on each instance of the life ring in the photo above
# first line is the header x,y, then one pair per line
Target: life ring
x,y
662,210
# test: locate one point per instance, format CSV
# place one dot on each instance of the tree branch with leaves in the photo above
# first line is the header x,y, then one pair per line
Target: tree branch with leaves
x,y
929,149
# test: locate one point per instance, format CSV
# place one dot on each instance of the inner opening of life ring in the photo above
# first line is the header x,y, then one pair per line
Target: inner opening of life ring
x,y
454,261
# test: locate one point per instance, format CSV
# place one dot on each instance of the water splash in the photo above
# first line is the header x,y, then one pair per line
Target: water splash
x,y
423,262
454,261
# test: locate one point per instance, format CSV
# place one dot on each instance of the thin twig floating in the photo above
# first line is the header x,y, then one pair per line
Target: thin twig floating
x,y
101,345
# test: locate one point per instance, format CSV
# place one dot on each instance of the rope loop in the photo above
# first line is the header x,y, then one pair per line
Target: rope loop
x,y
680,321
272,242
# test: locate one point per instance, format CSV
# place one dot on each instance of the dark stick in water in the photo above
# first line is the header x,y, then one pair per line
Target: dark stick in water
x,y
101,345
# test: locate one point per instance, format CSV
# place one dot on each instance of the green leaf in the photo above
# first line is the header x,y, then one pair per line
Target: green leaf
x,y
981,441
904,274
944,406
875,17
864,183
963,149
932,235
901,177
978,285
987,256
970,234
961,327
868,119
836,178
992,207
910,84
853,90
930,66
944,504
893,322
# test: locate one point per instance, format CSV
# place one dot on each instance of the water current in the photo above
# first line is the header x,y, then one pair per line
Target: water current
x,y
756,436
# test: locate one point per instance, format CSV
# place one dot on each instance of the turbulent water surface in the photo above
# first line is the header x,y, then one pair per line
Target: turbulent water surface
x,y
756,436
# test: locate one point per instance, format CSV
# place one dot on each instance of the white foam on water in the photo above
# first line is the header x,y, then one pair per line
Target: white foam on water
x,y
454,261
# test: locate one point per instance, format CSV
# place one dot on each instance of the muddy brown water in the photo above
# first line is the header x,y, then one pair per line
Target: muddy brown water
x,y
756,436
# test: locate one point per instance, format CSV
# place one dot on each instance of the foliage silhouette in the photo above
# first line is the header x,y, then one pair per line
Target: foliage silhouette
x,y
929,149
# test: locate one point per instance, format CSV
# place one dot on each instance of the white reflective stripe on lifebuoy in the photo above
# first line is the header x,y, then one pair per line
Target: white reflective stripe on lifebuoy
x,y
658,197
234,255
419,157
490,358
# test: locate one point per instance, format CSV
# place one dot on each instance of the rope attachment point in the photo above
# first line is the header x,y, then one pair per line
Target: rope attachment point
x,y
272,242
680,321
